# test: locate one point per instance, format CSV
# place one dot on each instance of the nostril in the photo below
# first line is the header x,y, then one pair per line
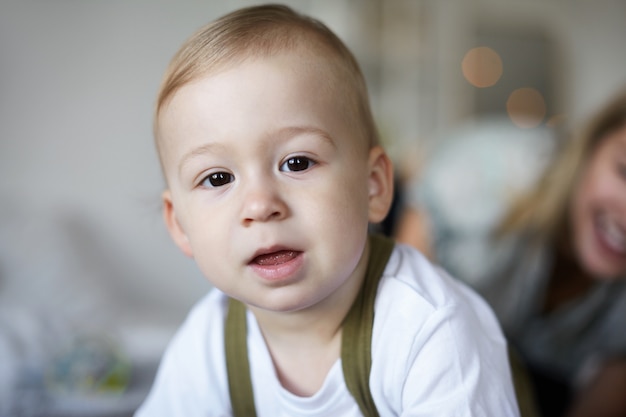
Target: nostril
x,y
262,205
261,214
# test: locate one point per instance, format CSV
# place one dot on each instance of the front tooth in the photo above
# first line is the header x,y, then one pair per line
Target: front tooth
x,y
614,235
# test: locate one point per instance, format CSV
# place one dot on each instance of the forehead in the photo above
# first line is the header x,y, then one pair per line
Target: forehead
x,y
257,82
253,96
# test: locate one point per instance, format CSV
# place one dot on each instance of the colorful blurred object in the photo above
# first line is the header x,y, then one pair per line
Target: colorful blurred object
x,y
91,366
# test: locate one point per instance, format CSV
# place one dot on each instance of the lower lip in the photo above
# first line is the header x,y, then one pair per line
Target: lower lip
x,y
279,273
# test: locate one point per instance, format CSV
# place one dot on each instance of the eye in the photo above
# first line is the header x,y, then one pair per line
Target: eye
x,y
217,179
297,163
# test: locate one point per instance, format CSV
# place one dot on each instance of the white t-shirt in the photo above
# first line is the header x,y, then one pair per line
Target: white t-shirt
x,y
437,350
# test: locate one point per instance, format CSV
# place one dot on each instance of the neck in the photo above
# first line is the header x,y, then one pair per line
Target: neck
x,y
321,321
305,344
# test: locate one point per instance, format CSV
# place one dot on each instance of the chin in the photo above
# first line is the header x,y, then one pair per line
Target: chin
x,y
599,260
605,271
283,303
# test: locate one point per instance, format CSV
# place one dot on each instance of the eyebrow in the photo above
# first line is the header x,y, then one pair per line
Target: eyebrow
x,y
282,135
292,131
200,150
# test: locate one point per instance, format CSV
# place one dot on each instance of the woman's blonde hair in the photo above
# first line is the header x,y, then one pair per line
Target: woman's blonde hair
x,y
261,31
543,211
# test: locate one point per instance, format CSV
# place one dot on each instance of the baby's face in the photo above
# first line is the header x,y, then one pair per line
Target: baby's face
x,y
270,184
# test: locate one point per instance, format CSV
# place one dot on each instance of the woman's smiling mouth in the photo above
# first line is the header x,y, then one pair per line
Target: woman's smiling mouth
x,y
611,235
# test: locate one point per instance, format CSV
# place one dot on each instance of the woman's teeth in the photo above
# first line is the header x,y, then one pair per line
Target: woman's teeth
x,y
613,234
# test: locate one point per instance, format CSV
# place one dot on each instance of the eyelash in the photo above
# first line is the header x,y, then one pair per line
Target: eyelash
x,y
293,164
217,179
297,163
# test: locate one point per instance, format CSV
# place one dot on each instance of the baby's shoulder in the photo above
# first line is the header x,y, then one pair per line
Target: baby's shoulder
x,y
211,307
192,374
414,293
203,328
409,274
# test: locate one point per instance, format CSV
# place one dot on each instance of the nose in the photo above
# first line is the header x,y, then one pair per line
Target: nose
x,y
262,203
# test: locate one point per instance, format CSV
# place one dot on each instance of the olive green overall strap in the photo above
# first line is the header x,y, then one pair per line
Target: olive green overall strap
x,y
237,364
356,342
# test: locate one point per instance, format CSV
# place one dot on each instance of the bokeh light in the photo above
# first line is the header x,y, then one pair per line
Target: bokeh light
x,y
526,107
482,67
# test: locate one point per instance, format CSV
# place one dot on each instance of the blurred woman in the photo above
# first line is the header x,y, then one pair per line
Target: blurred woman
x,y
553,268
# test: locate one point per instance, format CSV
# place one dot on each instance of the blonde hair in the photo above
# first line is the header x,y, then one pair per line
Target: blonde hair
x,y
262,31
543,212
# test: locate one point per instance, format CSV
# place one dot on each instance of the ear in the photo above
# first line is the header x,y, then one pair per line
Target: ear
x,y
380,184
173,226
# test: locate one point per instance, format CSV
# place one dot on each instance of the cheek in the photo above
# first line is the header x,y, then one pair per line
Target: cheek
x,y
339,206
582,208
599,190
337,209
352,195
205,224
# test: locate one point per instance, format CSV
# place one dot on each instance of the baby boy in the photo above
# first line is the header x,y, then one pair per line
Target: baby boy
x,y
274,171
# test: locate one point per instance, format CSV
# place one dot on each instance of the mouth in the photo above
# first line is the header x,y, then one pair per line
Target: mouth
x,y
277,263
274,258
611,234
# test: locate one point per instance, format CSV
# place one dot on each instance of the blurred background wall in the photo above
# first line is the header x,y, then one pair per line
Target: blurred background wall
x,y
78,81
